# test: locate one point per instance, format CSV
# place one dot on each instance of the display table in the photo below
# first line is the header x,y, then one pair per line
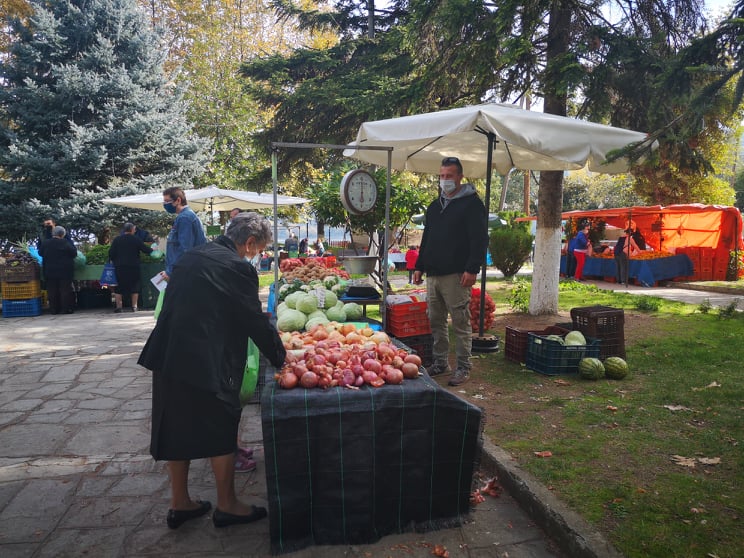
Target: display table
x,y
350,466
646,272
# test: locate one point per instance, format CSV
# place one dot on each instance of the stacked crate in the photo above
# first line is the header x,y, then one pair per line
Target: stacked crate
x,y
604,323
721,258
409,323
517,340
705,273
694,255
551,357
21,289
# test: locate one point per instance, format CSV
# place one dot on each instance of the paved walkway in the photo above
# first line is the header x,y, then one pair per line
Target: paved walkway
x,y
76,478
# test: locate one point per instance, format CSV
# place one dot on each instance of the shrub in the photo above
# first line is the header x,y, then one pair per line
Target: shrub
x,y
647,303
519,299
97,254
510,247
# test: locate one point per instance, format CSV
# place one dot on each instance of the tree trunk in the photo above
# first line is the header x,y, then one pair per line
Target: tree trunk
x,y
544,294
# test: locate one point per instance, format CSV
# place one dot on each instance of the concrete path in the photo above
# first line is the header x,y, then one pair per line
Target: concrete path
x,y
76,478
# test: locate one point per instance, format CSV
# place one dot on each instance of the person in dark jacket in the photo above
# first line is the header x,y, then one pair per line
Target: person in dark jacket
x,y
124,253
46,231
453,248
197,353
58,264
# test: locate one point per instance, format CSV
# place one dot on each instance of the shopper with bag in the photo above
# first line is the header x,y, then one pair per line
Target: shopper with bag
x,y
197,353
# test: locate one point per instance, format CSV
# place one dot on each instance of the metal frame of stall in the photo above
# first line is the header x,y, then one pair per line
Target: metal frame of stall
x,y
275,146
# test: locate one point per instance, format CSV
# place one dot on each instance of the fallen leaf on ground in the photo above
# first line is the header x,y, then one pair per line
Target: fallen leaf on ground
x,y
611,408
545,453
677,408
441,551
710,385
709,460
561,382
684,461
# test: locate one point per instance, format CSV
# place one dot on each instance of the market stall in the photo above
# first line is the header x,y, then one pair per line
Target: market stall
x,y
645,272
348,466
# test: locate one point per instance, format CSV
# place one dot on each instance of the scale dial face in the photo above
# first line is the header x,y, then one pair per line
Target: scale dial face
x,y
358,192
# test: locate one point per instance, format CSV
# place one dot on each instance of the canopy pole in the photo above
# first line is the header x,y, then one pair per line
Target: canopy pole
x,y
275,181
504,185
489,162
383,311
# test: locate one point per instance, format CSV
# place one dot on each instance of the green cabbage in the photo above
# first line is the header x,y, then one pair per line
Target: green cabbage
x,y
575,338
307,304
336,314
330,299
316,314
281,308
315,321
291,320
353,311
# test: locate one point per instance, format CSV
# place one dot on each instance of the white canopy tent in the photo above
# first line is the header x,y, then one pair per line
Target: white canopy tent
x,y
522,139
491,137
210,199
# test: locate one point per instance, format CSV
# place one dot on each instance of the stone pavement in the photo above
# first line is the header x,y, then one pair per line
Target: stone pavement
x,y
76,478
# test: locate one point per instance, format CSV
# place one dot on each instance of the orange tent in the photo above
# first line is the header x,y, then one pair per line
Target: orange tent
x,y
676,226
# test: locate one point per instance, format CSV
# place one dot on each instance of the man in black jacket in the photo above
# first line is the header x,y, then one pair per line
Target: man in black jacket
x,y
58,264
452,251
124,252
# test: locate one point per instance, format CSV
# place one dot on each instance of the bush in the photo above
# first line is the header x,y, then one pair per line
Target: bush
x,y
97,254
510,247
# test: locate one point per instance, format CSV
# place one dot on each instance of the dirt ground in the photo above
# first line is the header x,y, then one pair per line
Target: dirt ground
x,y
508,406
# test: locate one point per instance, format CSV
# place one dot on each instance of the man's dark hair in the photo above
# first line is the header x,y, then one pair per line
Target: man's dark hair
x,y
452,162
174,192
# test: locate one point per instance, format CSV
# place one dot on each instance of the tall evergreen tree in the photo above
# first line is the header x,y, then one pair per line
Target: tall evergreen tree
x,y
89,113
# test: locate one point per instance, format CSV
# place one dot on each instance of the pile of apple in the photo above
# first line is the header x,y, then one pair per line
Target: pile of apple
x,y
344,357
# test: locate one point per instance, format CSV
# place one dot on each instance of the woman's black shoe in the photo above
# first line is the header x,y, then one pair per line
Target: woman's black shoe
x,y
223,519
176,518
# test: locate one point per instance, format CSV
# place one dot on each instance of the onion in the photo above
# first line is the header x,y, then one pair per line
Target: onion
x,y
372,365
353,337
288,380
359,382
410,370
415,359
319,333
397,362
357,369
369,377
347,378
309,380
394,377
380,337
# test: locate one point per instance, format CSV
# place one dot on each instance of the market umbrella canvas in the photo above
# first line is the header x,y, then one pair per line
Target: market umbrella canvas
x,y
522,139
491,137
210,199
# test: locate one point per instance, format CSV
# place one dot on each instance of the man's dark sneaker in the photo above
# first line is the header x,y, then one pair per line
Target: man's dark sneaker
x,y
438,368
459,377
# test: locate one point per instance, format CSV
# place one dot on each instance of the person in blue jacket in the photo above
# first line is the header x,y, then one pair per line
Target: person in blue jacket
x,y
187,231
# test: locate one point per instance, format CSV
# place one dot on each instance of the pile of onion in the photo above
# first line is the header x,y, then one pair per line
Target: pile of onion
x,y
329,363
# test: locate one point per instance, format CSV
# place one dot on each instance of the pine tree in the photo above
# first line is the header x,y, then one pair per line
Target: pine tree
x,y
88,112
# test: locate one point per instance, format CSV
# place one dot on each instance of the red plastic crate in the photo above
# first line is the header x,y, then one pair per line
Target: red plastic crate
x,y
406,320
516,340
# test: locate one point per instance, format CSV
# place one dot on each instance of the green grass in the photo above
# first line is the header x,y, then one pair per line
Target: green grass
x,y
615,467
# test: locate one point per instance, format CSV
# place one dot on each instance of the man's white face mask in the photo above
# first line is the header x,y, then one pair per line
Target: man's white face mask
x,y
447,186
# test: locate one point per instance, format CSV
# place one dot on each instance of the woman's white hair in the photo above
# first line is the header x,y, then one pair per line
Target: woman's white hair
x,y
249,224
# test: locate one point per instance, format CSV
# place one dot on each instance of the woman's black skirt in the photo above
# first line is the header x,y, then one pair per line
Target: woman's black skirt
x,y
128,279
189,423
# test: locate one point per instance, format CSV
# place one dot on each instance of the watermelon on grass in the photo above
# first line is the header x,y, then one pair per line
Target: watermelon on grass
x,y
615,368
591,368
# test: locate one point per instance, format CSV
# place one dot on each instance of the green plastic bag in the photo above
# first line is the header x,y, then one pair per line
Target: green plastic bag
x,y
250,374
159,303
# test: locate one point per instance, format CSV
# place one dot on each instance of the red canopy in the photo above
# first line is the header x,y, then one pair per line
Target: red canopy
x,y
676,226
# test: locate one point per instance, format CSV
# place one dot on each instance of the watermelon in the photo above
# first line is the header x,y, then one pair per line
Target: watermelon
x,y
591,368
615,368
